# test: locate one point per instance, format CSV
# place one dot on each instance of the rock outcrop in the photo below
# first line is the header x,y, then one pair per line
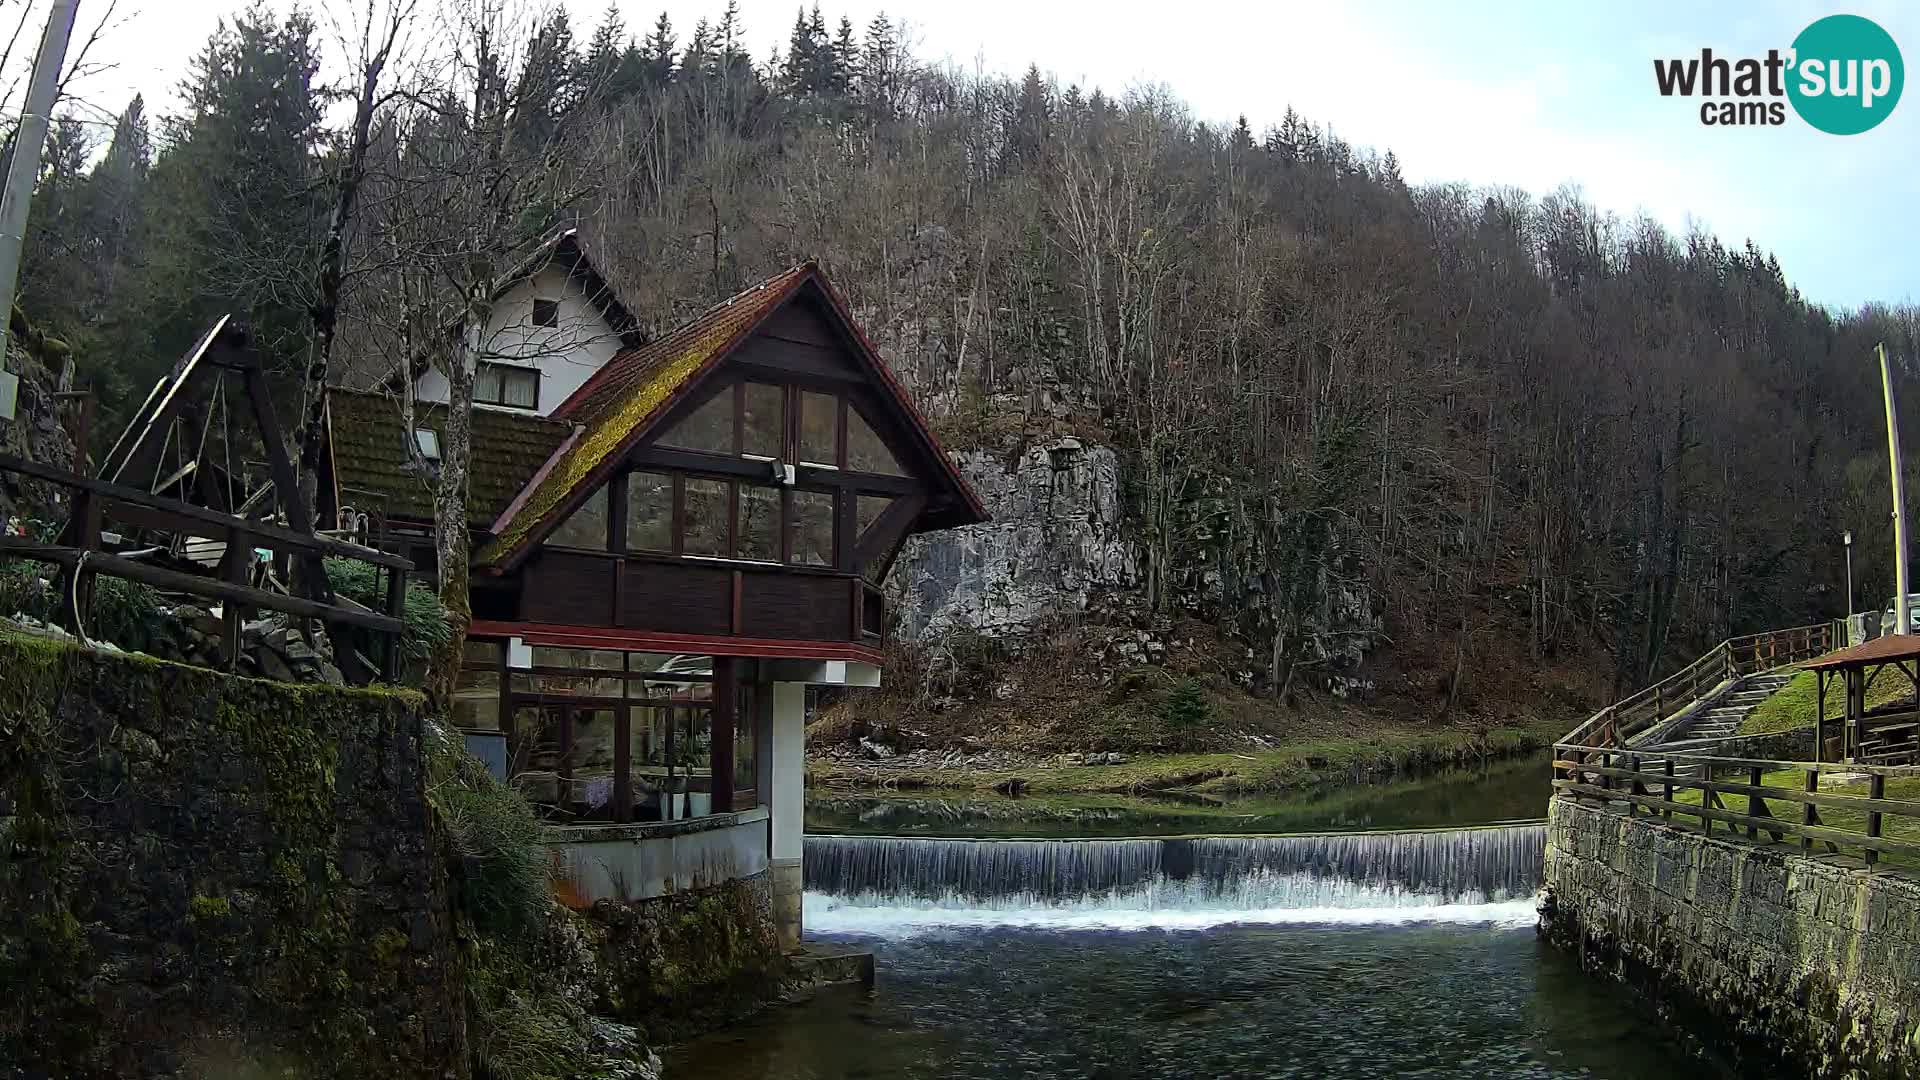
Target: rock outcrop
x,y
1056,546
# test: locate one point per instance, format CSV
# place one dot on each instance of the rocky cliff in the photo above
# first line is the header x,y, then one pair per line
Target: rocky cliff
x,y
1056,547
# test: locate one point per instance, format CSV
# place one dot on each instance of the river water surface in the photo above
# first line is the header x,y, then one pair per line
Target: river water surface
x,y
1164,941
1472,997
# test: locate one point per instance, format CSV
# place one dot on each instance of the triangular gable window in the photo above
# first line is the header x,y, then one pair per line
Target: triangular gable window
x,y
710,428
865,452
586,527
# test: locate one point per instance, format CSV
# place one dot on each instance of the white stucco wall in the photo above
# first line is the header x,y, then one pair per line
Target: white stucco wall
x,y
638,862
566,354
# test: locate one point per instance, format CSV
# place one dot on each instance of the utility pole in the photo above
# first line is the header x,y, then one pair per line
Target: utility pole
x,y
17,198
1900,625
1846,541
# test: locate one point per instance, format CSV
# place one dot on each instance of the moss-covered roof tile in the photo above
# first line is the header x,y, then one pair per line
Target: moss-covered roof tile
x,y
375,472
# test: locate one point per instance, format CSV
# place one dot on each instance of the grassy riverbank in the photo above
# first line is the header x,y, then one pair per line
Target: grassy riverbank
x,y
1793,705
1317,763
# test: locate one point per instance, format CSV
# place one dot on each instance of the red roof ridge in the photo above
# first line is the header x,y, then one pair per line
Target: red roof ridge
x,y
597,381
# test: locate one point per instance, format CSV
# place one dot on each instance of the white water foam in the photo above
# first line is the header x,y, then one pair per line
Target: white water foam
x,y
838,915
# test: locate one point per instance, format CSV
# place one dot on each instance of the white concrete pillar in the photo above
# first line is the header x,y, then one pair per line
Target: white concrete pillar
x,y
788,805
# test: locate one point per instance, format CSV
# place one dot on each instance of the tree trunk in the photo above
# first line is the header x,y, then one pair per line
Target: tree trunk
x,y
453,543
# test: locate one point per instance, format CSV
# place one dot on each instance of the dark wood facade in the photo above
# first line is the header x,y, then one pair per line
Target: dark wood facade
x,y
849,481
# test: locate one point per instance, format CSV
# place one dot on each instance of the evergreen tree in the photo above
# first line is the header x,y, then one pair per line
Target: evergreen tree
x,y
657,52
238,212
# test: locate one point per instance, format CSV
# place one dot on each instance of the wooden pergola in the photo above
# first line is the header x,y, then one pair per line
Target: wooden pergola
x,y
1883,736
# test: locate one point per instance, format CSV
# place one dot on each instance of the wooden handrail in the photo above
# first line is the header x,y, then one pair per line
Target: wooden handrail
x,y
1686,687
1639,780
188,516
81,557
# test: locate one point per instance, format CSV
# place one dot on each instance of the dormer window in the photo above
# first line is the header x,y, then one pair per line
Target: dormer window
x,y
428,440
505,384
546,312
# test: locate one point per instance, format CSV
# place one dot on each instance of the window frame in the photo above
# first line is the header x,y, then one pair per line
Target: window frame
x,y
504,369
552,309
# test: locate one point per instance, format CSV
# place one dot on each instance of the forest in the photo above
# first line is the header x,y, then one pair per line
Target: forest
x,y
1522,426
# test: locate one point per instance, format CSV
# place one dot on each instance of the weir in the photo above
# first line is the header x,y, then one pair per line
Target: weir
x,y
1222,875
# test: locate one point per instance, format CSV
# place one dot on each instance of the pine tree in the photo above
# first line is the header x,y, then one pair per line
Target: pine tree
x,y
846,58
797,72
878,69
657,52
1031,121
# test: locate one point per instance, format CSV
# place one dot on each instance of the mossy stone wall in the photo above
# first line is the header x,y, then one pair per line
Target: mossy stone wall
x,y
208,873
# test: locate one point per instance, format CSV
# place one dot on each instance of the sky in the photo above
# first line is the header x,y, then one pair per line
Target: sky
x,y
1529,95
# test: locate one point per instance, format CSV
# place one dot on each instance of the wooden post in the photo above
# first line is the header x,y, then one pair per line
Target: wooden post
x,y
563,788
233,570
1819,713
1754,806
1876,789
1666,812
396,607
1809,815
623,762
1707,799
1633,786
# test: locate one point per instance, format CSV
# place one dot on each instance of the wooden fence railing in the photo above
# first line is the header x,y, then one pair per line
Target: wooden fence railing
x,y
81,554
1731,659
1775,801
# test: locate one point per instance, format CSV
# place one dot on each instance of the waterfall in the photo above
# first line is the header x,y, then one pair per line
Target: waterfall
x,y
863,882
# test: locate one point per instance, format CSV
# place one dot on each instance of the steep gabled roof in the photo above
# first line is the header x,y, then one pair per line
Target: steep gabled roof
x,y
620,403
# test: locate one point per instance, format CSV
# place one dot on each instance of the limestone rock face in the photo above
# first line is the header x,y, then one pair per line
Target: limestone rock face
x,y
1055,546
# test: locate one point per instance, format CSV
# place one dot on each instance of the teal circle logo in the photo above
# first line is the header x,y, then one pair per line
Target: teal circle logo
x,y
1847,74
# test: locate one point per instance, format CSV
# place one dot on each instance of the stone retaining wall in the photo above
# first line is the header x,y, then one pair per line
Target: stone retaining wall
x,y
1806,963
199,871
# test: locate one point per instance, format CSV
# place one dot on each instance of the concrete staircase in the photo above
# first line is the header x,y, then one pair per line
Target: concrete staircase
x,y
1725,714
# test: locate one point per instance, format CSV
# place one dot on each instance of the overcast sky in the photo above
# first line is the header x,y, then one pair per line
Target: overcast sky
x,y
1527,94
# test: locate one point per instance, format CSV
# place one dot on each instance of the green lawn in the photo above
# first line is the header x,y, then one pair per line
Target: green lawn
x,y
1891,826
1792,705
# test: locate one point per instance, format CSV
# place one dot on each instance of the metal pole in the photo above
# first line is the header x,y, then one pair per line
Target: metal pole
x,y
1846,538
17,198
1900,624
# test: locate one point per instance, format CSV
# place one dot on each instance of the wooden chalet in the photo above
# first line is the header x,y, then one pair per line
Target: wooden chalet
x,y
670,550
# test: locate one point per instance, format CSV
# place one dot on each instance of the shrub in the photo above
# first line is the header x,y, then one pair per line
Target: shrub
x,y
502,879
1186,705
124,612
426,620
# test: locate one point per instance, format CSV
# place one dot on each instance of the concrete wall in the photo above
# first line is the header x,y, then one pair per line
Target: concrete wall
x,y
1774,957
566,354
206,871
644,861
789,799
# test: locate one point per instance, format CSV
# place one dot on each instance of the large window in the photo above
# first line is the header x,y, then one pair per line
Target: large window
x,y
708,510
764,420
649,511
505,384
597,734
819,429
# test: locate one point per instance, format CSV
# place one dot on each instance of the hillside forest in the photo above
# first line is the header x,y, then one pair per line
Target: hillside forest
x,y
1523,430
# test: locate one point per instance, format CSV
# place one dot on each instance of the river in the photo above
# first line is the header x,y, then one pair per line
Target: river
x,y
1345,954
